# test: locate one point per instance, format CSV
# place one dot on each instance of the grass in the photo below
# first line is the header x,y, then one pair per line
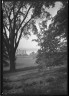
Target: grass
x,y
23,63
29,80
22,69
53,81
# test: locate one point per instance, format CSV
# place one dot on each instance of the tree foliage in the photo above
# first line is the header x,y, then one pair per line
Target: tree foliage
x,y
53,41
19,18
16,16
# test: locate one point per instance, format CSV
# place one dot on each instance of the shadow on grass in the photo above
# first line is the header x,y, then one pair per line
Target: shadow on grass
x,y
22,69
54,88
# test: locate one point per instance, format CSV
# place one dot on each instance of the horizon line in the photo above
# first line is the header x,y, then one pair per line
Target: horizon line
x,y
27,48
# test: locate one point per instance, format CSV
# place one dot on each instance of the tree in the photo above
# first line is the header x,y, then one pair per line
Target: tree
x,y
50,40
5,55
61,20
16,17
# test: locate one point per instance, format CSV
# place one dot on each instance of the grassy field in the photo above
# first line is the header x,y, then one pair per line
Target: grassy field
x,y
31,81
23,61
52,81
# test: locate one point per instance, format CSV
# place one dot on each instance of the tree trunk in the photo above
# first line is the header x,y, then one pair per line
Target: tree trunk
x,y
12,62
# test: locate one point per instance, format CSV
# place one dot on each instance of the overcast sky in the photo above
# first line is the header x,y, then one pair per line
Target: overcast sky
x,y
30,45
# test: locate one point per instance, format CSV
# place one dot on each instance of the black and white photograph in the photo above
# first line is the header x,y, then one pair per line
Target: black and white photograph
x,y
34,47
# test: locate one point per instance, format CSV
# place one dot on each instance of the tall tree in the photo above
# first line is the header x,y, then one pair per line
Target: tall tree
x,y
16,16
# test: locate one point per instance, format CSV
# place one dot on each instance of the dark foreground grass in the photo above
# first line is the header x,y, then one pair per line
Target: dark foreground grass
x,y
52,82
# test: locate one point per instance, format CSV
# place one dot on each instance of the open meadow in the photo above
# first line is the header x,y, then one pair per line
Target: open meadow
x,y
22,62
52,81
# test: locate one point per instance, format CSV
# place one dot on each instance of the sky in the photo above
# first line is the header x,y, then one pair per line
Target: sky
x,y
30,45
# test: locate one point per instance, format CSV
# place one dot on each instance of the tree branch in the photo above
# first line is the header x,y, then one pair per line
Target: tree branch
x,y
7,13
5,33
21,34
6,26
23,27
7,46
24,19
8,16
6,40
18,9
